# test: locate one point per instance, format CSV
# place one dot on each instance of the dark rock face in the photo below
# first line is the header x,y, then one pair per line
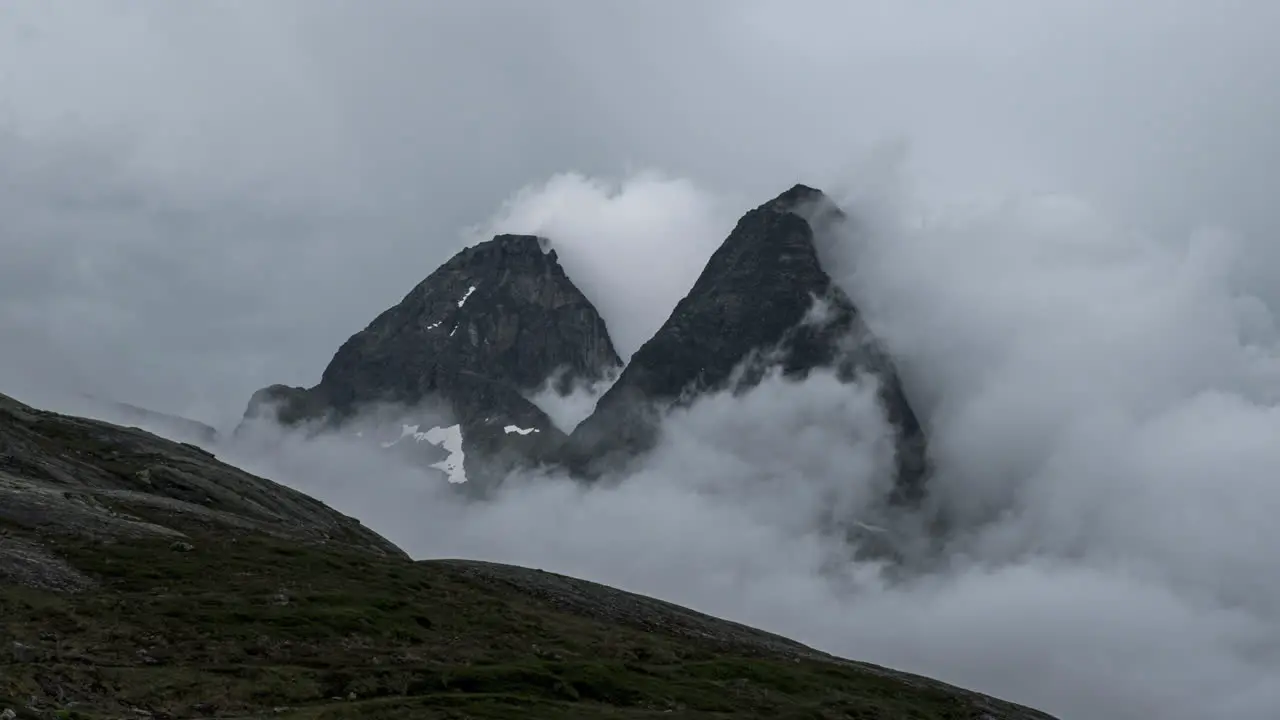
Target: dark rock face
x,y
763,301
486,328
504,310
493,323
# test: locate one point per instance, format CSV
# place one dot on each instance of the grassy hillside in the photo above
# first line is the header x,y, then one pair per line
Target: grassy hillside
x,y
256,626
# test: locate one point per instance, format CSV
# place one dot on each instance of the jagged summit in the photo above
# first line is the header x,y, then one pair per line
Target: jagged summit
x,y
753,301
492,324
484,330
504,309
795,196
506,245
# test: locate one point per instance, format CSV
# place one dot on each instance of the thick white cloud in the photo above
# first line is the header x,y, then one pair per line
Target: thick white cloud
x,y
633,248
1073,263
1102,407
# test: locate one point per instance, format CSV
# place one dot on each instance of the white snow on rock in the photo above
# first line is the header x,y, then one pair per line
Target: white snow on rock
x,y
523,431
447,438
466,295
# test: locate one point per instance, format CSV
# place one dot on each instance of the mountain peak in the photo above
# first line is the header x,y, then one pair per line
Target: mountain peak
x,y
749,310
477,335
496,321
503,309
798,193
508,246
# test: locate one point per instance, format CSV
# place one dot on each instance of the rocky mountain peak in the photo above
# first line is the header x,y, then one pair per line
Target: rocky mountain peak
x,y
752,308
504,309
479,334
492,324
506,248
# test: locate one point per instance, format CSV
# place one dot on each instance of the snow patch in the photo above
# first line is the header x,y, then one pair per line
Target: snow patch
x,y
447,438
522,431
466,295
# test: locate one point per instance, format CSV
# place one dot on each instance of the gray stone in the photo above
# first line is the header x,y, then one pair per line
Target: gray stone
x,y
484,330
750,311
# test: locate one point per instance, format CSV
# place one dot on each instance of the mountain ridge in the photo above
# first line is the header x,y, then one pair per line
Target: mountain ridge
x,y
762,302
474,338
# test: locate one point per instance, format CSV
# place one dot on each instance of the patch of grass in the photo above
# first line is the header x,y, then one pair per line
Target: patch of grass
x,y
250,625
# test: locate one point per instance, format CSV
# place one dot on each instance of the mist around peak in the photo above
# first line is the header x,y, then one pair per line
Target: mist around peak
x,y
568,401
1099,408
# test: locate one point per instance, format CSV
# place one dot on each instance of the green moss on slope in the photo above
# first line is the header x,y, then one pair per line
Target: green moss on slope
x,y
255,626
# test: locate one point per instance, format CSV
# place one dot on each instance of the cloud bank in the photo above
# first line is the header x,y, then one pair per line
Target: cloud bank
x,y
1101,405
633,248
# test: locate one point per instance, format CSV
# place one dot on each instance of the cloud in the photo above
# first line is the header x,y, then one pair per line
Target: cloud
x,y
634,248
1070,253
567,409
1101,404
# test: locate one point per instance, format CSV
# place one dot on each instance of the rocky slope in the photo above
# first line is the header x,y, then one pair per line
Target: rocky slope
x,y
143,578
487,328
763,301
65,475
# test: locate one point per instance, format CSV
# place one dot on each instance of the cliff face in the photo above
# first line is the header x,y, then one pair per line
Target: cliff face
x,y
503,310
478,335
763,301
497,320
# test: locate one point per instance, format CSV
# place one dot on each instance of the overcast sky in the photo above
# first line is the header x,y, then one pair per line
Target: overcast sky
x,y
1074,262
200,199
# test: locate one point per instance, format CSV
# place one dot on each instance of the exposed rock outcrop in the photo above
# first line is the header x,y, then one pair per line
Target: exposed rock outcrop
x,y
478,335
763,300
490,326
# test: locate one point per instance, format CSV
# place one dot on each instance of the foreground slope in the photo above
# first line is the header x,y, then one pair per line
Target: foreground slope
x,y
165,599
264,627
74,476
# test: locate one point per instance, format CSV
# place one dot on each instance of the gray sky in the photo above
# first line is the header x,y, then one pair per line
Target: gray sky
x,y
1074,262
204,199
